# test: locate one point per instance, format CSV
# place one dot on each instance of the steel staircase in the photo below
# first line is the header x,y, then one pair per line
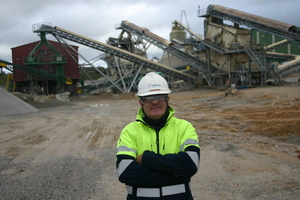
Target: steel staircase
x,y
256,58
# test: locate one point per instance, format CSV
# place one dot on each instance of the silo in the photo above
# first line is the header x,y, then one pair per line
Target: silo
x,y
177,33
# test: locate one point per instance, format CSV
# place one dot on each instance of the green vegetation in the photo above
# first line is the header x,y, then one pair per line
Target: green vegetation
x,y
3,78
94,74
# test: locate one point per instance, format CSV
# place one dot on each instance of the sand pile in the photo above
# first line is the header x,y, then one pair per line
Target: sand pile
x,y
10,104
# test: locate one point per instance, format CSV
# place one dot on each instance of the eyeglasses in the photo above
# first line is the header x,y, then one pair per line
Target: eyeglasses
x,y
150,99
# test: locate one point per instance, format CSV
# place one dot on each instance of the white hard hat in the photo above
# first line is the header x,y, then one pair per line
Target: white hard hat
x,y
151,84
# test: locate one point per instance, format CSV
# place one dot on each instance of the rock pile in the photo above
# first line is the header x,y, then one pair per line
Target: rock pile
x,y
10,104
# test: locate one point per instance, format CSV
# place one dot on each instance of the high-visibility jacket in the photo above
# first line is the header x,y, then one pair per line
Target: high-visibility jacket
x,y
171,156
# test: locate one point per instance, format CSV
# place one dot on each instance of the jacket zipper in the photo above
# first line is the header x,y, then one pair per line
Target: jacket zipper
x,y
157,139
157,146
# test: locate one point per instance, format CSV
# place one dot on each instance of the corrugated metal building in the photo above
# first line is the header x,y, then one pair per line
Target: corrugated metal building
x,y
261,37
45,65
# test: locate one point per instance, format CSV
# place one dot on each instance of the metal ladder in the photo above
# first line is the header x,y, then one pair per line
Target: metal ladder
x,y
256,59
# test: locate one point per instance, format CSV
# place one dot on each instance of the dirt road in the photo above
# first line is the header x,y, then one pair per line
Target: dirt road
x,y
250,145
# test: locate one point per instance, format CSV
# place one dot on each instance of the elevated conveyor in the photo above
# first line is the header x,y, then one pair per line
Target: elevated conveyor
x,y
193,33
289,67
63,33
277,45
280,29
170,48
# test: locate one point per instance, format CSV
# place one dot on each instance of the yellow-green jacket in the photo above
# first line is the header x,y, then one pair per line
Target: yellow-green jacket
x,y
171,156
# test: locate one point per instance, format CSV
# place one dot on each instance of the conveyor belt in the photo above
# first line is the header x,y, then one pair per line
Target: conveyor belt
x,y
289,67
170,48
194,34
63,33
273,27
277,45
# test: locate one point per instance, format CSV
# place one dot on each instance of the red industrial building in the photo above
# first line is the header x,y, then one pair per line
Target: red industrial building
x,y
45,67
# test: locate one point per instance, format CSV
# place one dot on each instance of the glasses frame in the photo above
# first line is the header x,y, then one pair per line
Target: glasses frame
x,y
150,99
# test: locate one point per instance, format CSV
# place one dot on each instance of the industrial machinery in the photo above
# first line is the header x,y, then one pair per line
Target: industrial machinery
x,y
250,61
33,75
121,81
227,54
41,67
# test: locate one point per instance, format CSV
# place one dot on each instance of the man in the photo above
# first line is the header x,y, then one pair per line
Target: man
x,y
158,153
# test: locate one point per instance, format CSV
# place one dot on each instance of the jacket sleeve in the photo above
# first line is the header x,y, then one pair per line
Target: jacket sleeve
x,y
183,164
132,173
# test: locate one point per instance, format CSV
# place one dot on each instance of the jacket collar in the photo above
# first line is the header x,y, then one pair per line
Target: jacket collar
x,y
140,114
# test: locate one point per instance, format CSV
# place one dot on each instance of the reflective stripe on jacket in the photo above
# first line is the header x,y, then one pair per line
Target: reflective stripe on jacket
x,y
171,156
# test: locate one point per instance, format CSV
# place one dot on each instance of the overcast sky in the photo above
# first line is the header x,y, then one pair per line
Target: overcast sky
x,y
97,19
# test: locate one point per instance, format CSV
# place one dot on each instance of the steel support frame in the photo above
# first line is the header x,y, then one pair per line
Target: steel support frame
x,y
174,51
91,64
127,56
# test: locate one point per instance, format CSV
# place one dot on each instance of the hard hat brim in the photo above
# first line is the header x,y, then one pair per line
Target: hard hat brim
x,y
143,93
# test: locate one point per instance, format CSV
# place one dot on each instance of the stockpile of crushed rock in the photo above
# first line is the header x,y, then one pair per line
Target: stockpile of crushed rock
x,y
10,104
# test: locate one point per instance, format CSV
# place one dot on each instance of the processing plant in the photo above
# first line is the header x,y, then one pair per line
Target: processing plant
x,y
250,51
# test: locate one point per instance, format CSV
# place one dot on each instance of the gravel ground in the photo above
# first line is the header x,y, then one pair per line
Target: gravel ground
x,y
64,178
68,152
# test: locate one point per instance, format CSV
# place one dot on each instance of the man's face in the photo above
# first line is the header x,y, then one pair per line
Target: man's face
x,y
154,106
